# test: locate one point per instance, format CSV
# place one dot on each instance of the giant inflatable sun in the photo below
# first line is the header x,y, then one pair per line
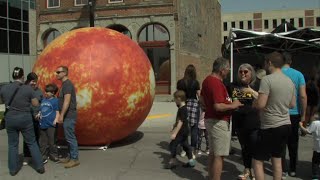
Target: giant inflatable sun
x,y
113,78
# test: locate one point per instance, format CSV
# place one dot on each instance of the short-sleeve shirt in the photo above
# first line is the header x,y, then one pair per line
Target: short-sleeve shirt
x,y
48,109
189,87
22,100
68,88
314,128
213,92
182,115
298,81
246,117
280,91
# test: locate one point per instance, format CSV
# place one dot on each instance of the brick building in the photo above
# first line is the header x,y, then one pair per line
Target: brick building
x,y
173,33
268,20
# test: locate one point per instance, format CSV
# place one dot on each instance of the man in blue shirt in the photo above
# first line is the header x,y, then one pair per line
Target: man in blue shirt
x,y
297,113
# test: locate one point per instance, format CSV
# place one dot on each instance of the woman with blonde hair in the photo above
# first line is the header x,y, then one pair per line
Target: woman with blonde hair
x,y
245,120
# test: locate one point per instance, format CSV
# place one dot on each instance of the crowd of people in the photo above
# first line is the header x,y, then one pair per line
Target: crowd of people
x,y
264,111
36,115
265,108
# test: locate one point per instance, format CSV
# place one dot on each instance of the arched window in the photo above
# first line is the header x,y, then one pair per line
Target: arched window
x,y
154,40
154,32
122,29
50,36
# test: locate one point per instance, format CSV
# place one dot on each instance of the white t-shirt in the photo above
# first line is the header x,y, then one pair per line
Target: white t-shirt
x,y
314,128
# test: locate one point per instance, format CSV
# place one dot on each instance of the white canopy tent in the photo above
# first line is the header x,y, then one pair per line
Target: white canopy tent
x,y
284,38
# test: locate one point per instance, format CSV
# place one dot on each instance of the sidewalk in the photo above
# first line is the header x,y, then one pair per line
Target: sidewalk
x,y
142,156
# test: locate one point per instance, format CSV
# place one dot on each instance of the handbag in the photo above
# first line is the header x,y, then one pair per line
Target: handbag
x,y
3,121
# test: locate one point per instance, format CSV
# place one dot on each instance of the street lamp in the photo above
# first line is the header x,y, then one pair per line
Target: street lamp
x,y
91,4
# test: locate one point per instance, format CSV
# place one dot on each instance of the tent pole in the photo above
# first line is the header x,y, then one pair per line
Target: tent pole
x,y
231,61
285,27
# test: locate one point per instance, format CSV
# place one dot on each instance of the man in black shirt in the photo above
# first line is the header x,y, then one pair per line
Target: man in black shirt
x,y
180,132
68,115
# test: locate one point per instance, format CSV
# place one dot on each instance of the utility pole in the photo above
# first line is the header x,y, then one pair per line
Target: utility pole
x,y
91,4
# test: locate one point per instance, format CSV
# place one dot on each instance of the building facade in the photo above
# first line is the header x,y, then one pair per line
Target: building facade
x,y
17,34
173,33
267,21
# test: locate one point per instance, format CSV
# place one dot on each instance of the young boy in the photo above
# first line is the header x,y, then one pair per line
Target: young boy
x,y
314,129
48,115
180,132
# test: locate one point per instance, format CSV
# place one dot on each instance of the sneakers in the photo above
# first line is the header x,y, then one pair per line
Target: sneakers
x,y
245,174
41,170
284,175
13,173
207,151
292,174
198,152
54,159
190,164
183,153
45,161
315,177
72,163
26,161
193,156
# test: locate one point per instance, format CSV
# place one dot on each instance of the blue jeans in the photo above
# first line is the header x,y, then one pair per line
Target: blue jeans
x,y
69,134
16,123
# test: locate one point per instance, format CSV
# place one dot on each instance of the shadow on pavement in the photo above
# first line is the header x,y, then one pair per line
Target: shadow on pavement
x,y
131,139
63,149
186,173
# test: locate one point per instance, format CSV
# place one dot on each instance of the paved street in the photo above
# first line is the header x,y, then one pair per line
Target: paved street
x,y
141,157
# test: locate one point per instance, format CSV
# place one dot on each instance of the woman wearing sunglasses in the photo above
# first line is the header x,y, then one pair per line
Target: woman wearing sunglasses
x,y
245,120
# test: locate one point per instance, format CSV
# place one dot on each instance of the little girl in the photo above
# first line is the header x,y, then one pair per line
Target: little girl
x,y
202,132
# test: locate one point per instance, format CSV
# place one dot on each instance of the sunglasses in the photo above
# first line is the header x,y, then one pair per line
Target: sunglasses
x,y
243,71
58,72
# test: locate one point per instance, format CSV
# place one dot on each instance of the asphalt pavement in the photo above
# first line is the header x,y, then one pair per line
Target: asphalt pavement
x,y
142,156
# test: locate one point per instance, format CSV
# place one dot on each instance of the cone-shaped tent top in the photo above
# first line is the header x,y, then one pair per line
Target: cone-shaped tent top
x,y
284,27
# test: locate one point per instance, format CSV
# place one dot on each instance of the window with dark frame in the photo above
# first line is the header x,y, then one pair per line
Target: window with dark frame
x,y
300,22
318,21
274,23
80,2
241,24
233,24
14,27
266,24
115,1
53,3
154,40
225,26
225,38
249,24
292,21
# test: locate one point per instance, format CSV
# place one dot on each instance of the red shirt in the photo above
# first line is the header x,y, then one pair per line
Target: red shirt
x,y
213,91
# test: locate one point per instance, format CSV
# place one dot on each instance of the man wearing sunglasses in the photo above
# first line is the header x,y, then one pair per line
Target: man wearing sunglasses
x,y
68,115
297,114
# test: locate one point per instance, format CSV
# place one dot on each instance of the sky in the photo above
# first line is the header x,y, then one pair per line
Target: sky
x,y
261,5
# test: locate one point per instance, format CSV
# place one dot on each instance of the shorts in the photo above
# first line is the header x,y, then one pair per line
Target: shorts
x,y
219,135
271,142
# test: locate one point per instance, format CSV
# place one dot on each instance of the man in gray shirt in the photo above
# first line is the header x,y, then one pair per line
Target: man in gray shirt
x,y
276,96
68,115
